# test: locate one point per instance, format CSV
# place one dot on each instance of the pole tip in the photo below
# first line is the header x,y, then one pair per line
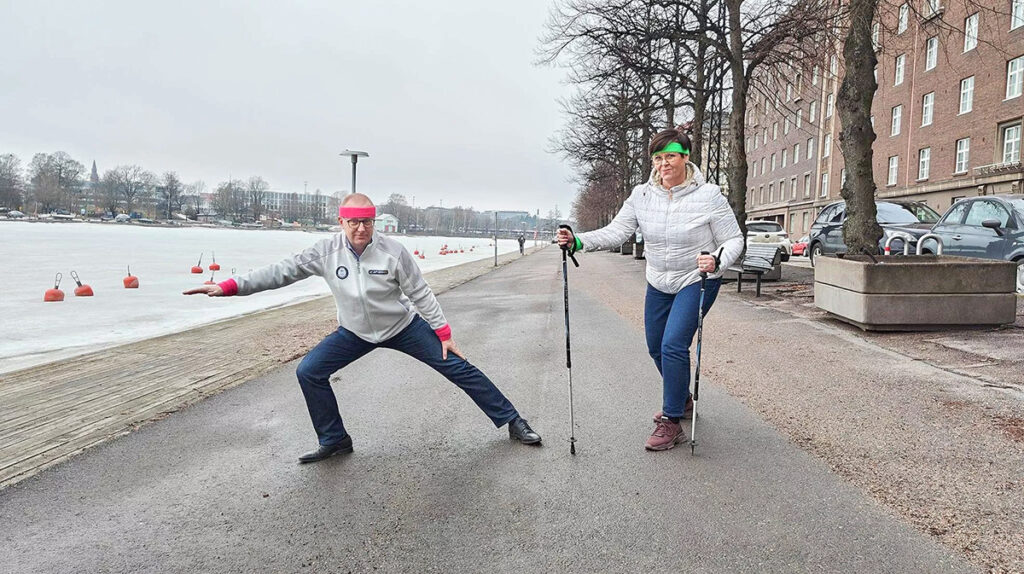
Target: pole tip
x,y
572,449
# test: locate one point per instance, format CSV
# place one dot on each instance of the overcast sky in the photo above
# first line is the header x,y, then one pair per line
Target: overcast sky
x,y
443,95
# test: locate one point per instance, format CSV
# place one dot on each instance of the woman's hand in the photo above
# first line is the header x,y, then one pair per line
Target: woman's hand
x,y
565,237
706,264
208,290
450,345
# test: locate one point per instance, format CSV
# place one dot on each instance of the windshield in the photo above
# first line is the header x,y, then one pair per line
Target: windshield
x,y
764,227
906,213
1018,205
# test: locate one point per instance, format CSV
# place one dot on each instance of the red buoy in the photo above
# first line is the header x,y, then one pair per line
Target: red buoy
x,y
55,294
81,290
417,252
210,282
131,281
198,267
214,266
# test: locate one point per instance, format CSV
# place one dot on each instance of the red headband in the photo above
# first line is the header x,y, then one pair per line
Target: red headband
x,y
358,212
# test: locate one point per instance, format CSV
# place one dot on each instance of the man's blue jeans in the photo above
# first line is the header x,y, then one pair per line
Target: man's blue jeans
x,y
417,340
670,321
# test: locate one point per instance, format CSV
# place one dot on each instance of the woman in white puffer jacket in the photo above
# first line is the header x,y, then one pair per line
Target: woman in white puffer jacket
x,y
680,215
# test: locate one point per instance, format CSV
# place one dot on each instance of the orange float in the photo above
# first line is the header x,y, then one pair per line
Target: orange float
x,y
214,266
55,294
81,290
210,282
198,267
131,281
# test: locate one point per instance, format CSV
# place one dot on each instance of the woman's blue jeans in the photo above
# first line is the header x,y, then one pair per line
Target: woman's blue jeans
x,y
417,340
670,322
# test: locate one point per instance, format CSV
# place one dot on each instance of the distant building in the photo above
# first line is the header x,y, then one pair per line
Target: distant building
x,y
387,223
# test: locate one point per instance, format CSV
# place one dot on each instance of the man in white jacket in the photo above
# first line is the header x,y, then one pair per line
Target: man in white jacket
x,y
383,301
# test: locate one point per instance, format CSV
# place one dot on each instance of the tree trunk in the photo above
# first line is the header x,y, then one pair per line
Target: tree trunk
x,y
861,231
737,170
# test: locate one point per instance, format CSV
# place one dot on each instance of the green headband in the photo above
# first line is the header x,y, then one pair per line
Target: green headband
x,y
673,147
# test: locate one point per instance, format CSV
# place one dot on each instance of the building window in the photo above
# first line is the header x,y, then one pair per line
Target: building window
x,y
813,113
1015,77
872,122
897,118
810,148
833,65
901,27
971,32
762,166
803,218
814,76
764,135
792,187
753,196
874,35
807,185
775,131
771,192
963,155
829,105
966,95
1017,14
762,195
789,92
927,105
756,137
785,157
824,185
826,149
799,118
796,152
782,190
931,53
901,66
894,168
842,177
773,162
785,126
1011,143
753,171
924,161
933,8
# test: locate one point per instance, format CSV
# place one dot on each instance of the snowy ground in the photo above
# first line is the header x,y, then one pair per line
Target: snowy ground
x,y
34,332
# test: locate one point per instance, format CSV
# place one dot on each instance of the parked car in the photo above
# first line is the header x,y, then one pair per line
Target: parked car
x,y
905,221
770,232
989,227
800,246
15,214
122,218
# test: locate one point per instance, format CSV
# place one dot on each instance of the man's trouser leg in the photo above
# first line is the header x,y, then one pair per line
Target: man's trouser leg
x,y
419,340
333,353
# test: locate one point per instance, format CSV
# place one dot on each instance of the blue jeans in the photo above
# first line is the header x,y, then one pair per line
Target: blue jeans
x,y
417,340
670,322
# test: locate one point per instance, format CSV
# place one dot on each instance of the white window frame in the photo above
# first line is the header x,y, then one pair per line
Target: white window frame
x,y
1011,145
1015,77
900,69
789,92
966,95
924,163
931,53
875,33
775,131
963,155
792,187
971,32
785,157
904,18
824,185
807,185
763,159
799,118
810,148
813,113
815,72
894,170
1016,14
826,148
927,108
897,120
830,105
773,163
796,152
833,65
785,126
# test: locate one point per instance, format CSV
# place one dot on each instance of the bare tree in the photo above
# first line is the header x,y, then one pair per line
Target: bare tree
x,y
170,190
56,181
12,183
257,188
231,199
109,193
134,184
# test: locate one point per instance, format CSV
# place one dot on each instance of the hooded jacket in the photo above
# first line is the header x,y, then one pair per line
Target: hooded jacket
x,y
677,224
377,293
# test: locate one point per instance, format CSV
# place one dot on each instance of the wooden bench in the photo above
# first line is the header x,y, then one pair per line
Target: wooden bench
x,y
759,258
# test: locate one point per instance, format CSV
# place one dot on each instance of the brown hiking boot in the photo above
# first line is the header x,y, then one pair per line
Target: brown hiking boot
x,y
665,436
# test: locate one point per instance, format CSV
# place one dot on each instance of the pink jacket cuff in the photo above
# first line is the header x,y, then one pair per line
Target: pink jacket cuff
x,y
229,287
444,333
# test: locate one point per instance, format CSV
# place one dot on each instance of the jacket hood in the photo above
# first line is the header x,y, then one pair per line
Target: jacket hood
x,y
694,179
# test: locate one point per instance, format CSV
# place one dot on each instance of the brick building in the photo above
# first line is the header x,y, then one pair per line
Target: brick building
x,y
947,114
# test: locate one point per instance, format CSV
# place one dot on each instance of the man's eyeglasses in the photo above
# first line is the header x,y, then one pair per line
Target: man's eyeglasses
x,y
355,223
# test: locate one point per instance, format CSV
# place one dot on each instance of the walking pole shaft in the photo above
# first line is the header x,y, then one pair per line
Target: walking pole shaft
x,y
568,351
696,375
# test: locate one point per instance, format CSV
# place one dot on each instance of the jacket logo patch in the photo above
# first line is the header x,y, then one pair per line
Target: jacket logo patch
x,y
378,271
341,272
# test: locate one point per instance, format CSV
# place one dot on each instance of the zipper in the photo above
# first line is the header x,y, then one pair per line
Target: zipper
x,y
362,296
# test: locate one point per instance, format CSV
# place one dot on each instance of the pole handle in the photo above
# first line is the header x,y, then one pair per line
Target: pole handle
x,y
565,248
704,274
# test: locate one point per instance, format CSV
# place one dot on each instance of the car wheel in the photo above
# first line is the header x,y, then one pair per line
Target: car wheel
x,y
815,252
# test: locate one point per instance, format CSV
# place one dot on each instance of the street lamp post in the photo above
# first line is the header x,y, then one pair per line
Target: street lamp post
x,y
355,155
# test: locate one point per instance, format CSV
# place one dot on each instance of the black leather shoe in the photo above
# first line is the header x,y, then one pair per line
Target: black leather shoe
x,y
327,451
521,431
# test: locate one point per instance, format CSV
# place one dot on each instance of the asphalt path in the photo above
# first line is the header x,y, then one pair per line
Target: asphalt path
x,y
433,487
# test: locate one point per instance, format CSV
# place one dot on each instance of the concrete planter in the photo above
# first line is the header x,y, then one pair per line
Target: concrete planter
x,y
916,293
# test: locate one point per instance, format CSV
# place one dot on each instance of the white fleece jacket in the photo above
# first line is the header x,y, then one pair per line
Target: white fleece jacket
x,y
676,224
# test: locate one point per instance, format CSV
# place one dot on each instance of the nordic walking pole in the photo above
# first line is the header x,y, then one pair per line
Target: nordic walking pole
x,y
696,376
568,354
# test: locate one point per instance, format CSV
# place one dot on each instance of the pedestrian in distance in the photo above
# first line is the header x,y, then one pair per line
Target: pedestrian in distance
x,y
383,302
522,242
680,215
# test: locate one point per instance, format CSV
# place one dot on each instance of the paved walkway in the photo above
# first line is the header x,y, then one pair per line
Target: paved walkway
x,y
52,412
433,488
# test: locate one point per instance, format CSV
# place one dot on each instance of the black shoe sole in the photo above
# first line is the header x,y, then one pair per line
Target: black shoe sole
x,y
335,453
525,441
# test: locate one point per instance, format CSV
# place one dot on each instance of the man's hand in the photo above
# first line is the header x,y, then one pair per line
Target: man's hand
x,y
450,345
208,290
565,237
